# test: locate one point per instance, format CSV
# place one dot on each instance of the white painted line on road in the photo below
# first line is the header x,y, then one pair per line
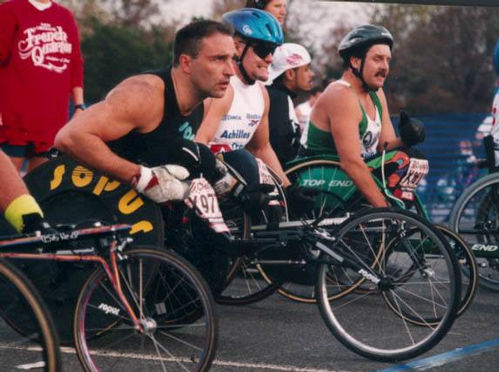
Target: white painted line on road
x,y
217,362
36,365
274,367
253,366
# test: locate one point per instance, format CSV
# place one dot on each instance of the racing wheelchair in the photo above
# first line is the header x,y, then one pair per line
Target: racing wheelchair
x,y
397,174
389,261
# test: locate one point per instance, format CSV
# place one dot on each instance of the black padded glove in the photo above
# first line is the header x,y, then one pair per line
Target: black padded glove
x,y
255,197
412,131
33,222
300,199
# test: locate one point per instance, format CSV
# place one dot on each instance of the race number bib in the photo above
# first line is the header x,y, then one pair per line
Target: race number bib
x,y
418,168
203,200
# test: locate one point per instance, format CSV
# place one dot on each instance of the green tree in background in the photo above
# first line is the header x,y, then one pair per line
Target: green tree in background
x,y
441,63
442,57
113,52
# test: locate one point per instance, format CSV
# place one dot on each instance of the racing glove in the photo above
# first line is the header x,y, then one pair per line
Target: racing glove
x,y
412,131
255,197
300,199
162,184
34,222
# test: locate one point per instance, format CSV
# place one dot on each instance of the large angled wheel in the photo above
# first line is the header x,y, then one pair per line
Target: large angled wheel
x,y
163,290
20,350
418,283
475,217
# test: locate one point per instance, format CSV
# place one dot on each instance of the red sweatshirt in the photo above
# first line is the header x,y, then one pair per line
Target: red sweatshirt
x,y
40,63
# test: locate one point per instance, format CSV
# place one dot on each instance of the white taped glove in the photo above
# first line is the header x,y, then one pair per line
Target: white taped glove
x,y
163,183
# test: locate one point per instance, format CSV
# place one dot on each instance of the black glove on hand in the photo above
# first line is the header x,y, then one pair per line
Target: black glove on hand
x,y
411,130
300,199
255,197
34,222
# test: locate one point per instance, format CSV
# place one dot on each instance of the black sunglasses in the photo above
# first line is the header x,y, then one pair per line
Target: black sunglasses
x,y
262,50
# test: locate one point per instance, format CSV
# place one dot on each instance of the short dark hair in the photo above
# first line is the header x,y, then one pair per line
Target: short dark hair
x,y
258,4
188,39
359,52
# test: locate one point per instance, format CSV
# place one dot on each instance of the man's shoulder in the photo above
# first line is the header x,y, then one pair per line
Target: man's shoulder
x,y
140,92
144,82
338,94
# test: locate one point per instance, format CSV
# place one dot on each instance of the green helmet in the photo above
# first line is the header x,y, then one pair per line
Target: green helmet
x,y
362,37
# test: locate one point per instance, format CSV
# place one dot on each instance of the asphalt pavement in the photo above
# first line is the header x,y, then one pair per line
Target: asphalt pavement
x,y
277,334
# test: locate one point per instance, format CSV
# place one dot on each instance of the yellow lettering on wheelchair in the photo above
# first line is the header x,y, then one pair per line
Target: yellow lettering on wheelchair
x,y
58,173
105,185
142,226
130,202
82,176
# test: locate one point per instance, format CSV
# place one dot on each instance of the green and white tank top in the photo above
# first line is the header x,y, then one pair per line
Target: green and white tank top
x,y
319,142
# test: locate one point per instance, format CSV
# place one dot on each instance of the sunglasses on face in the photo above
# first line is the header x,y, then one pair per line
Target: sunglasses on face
x,y
263,50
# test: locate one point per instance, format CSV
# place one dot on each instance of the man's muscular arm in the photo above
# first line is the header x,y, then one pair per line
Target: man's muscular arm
x,y
260,146
135,104
344,114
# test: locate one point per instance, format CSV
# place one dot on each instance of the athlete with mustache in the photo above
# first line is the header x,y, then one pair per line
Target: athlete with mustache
x,y
351,118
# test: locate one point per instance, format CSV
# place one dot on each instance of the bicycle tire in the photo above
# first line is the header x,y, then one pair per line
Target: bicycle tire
x,y
467,266
20,294
172,300
475,216
390,340
468,270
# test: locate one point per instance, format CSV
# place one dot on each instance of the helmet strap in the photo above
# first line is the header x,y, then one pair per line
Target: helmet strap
x,y
359,74
246,78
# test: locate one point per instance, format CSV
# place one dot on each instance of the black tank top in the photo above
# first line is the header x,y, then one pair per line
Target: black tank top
x,y
161,145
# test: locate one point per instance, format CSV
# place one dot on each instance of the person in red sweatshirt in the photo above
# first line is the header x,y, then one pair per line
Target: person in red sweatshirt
x,y
40,68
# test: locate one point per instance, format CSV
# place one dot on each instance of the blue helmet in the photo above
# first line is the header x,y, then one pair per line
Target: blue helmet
x,y
495,58
255,24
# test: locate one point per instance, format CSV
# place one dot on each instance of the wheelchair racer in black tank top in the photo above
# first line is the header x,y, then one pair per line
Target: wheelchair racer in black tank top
x,y
172,140
141,132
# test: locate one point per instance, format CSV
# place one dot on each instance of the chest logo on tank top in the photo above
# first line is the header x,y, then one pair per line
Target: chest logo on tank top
x,y
186,131
367,139
254,119
369,143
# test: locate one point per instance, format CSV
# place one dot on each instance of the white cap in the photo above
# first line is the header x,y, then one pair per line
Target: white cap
x,y
288,56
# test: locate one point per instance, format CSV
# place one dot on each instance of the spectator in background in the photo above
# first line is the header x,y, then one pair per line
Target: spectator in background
x,y
278,8
40,67
492,141
290,74
495,103
304,109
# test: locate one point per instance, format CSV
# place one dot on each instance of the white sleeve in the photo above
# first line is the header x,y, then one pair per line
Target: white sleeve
x,y
494,131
